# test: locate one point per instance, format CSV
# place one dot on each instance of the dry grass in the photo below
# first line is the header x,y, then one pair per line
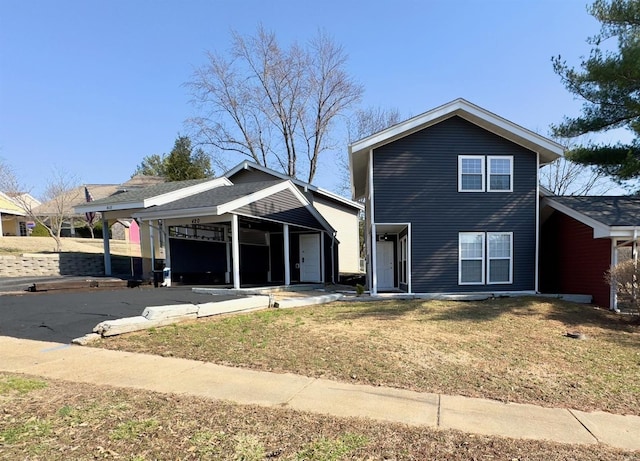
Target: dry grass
x,y
504,349
19,245
56,420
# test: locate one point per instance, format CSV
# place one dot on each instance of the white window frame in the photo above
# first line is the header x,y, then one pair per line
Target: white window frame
x,y
482,258
499,157
403,260
492,258
482,172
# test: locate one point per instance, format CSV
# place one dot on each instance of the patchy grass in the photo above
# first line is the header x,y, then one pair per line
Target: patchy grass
x,y
511,349
77,421
20,385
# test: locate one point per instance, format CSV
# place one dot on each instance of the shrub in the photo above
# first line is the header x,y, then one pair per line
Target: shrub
x,y
40,231
625,277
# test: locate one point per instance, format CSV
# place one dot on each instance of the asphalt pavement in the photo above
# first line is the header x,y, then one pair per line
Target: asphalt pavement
x,y
63,316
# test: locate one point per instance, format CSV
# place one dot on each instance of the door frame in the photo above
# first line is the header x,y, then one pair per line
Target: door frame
x,y
377,230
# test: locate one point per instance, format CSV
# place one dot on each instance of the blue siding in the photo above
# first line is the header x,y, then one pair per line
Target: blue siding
x,y
416,180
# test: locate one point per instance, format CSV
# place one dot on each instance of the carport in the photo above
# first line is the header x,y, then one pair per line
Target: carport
x,y
247,234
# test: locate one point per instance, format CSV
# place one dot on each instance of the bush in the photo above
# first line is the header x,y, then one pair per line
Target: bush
x,y
625,277
40,231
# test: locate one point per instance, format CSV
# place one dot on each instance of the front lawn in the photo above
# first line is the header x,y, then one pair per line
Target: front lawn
x,y
510,349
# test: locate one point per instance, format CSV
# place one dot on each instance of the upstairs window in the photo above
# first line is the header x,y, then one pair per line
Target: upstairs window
x,y
471,173
477,173
500,173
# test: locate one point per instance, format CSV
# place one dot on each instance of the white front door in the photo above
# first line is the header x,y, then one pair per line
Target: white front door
x,y
310,258
384,265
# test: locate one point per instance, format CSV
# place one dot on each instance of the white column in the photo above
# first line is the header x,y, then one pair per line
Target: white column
x,y
105,245
1,234
287,267
235,250
153,247
227,274
322,257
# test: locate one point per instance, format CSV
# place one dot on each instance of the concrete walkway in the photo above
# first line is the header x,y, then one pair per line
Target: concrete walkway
x,y
162,374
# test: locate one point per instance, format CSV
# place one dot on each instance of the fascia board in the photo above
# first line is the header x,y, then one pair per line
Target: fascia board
x,y
176,214
87,208
549,150
186,192
245,165
264,193
599,229
12,212
312,209
247,199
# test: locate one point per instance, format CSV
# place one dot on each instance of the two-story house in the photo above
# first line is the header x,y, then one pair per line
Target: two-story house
x,y
451,202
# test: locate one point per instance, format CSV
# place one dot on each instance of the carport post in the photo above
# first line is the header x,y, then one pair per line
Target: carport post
x,y
105,244
235,250
287,268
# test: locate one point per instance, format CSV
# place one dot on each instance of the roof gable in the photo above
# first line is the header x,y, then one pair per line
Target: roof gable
x,y
246,165
232,199
156,194
359,151
604,214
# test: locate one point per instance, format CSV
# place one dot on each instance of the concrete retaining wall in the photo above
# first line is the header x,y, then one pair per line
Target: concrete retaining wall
x,y
29,265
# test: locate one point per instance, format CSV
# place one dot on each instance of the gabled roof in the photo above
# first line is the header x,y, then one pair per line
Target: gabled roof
x,y
156,194
227,199
609,216
359,151
69,198
8,206
247,165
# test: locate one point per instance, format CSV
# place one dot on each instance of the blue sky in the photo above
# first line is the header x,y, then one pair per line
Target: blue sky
x,y
91,87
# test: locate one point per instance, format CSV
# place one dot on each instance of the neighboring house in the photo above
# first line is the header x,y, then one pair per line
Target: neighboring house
x,y
451,202
216,232
63,204
12,218
581,238
342,214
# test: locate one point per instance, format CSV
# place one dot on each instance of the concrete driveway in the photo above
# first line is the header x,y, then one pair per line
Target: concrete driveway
x,y
61,317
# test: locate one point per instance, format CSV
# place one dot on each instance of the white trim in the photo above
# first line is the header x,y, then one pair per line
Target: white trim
x,y
106,247
471,113
482,172
409,271
599,229
246,165
321,257
372,238
287,264
482,258
536,275
613,292
501,157
186,192
235,251
489,258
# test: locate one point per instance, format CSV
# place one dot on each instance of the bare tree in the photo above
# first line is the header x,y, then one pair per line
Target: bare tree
x,y
564,177
272,104
363,123
60,194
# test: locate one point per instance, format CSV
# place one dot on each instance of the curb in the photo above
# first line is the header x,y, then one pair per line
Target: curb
x,y
157,316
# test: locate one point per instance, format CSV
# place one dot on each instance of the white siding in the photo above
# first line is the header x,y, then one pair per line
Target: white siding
x,y
346,225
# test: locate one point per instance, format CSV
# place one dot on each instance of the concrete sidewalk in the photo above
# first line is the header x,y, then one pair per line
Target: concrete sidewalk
x,y
162,374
